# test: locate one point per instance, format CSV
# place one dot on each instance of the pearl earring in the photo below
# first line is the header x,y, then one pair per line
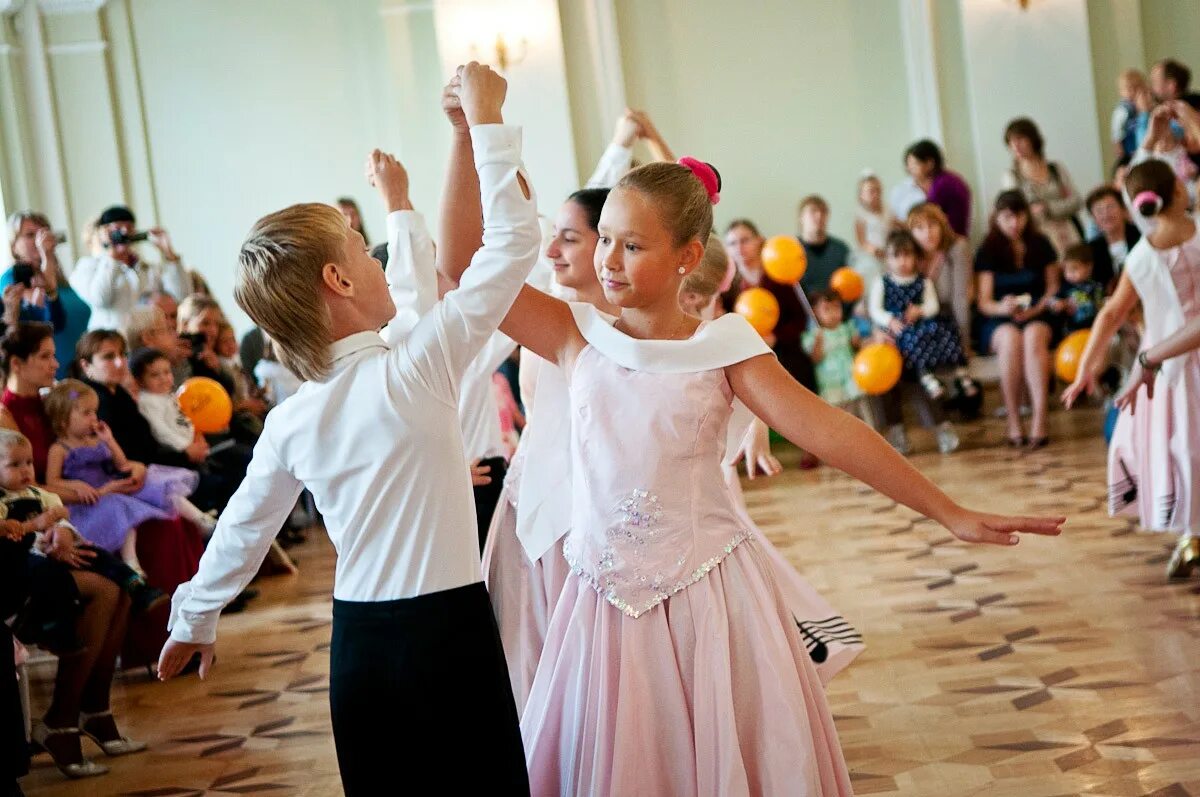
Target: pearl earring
x,y
682,269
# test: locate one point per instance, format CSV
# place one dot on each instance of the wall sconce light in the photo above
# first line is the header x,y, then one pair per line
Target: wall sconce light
x,y
1024,4
506,54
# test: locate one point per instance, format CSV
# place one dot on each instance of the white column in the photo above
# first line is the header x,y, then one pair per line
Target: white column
x,y
1032,62
46,172
604,40
920,61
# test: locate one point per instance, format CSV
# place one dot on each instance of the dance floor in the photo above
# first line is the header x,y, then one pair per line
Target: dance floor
x,y
1059,667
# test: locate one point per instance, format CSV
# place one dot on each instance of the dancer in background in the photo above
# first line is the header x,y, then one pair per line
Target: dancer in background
x,y
1154,459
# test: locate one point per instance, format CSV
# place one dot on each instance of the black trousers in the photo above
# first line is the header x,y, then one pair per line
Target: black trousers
x,y
488,495
419,694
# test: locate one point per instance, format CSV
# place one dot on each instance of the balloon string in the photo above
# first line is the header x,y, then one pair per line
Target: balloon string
x,y
812,316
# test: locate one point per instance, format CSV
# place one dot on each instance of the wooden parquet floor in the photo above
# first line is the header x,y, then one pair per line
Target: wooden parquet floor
x,y
1059,667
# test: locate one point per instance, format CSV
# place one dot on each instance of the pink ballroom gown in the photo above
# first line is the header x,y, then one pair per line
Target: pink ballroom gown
x,y
1154,459
672,663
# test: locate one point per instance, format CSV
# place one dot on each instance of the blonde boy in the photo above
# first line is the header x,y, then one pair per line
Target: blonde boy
x,y
417,674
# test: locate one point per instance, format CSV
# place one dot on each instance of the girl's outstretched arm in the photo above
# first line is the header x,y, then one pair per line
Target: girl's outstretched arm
x,y
848,444
544,325
460,222
1112,315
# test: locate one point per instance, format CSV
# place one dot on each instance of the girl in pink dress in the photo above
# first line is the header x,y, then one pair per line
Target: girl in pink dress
x,y
1154,459
672,664
523,564
832,642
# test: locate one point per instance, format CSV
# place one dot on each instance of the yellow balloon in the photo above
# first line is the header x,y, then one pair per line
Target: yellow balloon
x,y
1070,355
877,368
206,404
784,260
760,307
848,284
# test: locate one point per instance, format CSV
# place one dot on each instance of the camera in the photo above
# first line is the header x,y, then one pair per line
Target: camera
x,y
197,340
22,273
118,237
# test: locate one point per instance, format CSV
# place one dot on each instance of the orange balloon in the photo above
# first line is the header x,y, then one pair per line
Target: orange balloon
x,y
877,368
784,260
206,404
760,307
848,284
1070,355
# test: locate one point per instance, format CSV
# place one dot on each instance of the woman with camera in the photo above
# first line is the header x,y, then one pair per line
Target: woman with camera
x,y
36,278
112,281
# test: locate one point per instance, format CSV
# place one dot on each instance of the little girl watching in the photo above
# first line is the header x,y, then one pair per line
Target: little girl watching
x,y
905,304
120,494
831,346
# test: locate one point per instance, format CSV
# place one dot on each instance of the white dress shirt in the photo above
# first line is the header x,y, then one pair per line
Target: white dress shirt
x,y
113,288
612,166
412,279
168,424
377,442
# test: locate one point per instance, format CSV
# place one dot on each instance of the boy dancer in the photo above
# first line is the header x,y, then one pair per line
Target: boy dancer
x,y
417,676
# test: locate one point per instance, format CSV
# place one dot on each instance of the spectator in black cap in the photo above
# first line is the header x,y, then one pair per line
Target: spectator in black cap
x,y
112,281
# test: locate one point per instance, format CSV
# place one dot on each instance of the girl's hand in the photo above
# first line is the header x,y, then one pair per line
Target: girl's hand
x,y
1010,304
981,527
759,459
84,492
104,432
209,358
895,326
628,129
452,106
175,656
912,314
479,474
137,475
1138,376
1084,384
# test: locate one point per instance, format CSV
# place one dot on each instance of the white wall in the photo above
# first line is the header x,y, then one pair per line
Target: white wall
x,y
251,106
204,114
785,98
1035,63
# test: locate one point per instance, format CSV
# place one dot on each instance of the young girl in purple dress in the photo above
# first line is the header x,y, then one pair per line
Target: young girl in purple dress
x,y
119,494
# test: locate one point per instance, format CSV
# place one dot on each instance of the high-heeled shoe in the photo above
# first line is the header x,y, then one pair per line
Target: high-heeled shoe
x,y
84,768
113,747
1184,558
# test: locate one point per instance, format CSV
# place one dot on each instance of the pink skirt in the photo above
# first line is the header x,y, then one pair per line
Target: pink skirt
x,y
711,692
523,595
832,642
1154,459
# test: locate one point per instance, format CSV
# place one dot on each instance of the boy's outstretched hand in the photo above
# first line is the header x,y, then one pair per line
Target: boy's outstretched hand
x,y
982,527
481,94
175,656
